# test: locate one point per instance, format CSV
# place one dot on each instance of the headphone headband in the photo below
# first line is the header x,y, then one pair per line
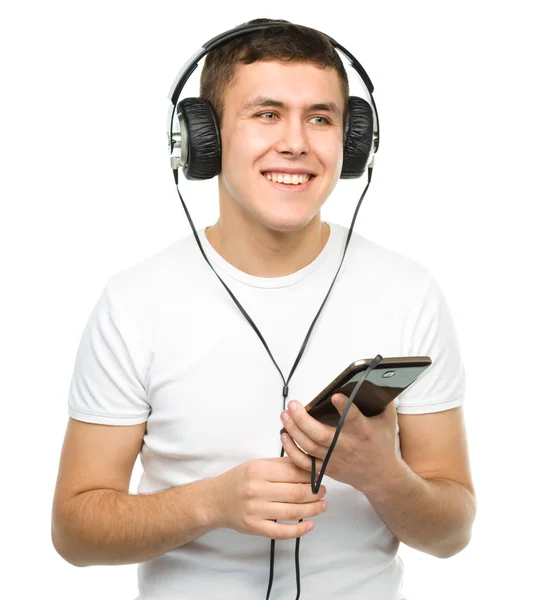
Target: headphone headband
x,y
231,34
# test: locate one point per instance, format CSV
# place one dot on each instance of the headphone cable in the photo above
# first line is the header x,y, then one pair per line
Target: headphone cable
x,y
285,389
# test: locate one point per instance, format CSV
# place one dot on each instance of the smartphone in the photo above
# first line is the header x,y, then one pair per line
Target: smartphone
x,y
390,377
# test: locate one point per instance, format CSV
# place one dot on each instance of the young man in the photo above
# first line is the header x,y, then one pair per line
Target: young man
x,y
168,367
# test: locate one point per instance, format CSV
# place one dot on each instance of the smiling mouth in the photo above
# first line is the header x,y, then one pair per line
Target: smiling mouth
x,y
289,179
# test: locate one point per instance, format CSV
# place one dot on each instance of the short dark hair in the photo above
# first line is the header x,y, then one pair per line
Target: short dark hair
x,y
286,42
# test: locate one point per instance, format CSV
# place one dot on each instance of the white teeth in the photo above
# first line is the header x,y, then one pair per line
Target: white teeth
x,y
287,178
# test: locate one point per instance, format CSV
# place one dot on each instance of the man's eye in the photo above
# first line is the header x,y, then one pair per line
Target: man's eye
x,y
323,120
268,116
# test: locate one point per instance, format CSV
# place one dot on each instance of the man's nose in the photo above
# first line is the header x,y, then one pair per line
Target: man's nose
x,y
293,138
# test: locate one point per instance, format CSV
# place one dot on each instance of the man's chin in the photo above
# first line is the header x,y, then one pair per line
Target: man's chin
x,y
285,223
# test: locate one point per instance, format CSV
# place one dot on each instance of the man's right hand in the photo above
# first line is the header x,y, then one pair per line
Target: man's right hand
x,y
252,495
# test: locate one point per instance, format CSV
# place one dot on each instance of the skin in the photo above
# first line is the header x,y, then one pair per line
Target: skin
x,y
262,230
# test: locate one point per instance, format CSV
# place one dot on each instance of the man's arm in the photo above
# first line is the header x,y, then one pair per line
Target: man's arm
x,y
94,519
427,499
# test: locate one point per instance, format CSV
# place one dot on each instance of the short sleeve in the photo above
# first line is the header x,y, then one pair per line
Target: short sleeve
x,y
107,384
442,385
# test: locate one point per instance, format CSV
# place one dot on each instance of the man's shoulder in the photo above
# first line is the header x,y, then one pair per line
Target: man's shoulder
x,y
155,273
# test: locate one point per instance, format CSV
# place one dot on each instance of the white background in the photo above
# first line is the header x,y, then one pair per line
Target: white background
x,y
459,185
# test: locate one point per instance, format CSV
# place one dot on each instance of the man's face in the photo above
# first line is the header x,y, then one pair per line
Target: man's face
x,y
281,122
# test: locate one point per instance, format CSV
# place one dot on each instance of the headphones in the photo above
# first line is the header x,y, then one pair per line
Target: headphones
x,y
196,147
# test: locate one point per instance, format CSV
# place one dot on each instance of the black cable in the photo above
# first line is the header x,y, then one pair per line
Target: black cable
x,y
285,389
362,379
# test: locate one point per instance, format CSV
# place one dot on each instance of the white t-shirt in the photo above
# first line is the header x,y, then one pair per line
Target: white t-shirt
x,y
166,344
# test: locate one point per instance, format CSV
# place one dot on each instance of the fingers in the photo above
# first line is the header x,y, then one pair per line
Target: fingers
x,y
291,492
277,531
283,511
268,490
340,402
314,437
299,458
287,471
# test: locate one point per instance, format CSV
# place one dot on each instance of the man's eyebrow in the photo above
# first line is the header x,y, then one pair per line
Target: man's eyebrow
x,y
327,107
262,101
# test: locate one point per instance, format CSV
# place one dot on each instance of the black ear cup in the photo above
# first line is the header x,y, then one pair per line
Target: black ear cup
x,y
359,131
203,156
201,159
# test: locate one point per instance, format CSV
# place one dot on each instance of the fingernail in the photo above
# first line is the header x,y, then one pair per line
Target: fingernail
x,y
324,505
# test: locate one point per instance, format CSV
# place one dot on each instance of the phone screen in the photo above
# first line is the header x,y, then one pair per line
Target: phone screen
x,y
381,386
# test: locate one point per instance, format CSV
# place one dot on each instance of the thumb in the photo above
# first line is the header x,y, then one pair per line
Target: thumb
x,y
340,402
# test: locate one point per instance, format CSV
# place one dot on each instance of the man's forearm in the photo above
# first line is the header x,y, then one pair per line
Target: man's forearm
x,y
108,527
432,515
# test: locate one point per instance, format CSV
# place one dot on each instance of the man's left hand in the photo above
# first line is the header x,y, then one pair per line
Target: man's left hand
x,y
365,454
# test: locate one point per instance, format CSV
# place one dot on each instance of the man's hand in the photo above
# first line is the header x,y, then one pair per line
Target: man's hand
x,y
249,497
365,454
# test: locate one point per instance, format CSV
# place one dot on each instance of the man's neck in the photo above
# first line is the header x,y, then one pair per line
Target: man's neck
x,y
262,252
